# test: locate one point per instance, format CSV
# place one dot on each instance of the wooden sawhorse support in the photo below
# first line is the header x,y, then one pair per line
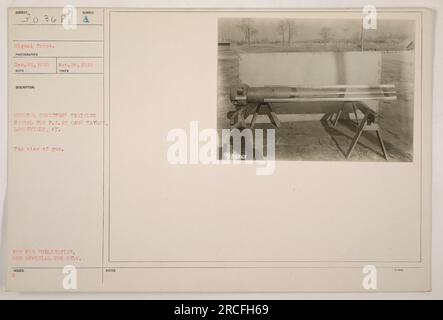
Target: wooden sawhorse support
x,y
269,112
238,118
334,120
368,123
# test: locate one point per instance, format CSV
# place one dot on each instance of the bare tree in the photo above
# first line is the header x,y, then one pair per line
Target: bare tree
x,y
345,34
362,37
281,29
292,30
326,34
252,33
247,29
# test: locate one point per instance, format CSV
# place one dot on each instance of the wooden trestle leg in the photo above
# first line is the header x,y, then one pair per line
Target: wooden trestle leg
x,y
238,118
355,112
338,115
271,114
367,124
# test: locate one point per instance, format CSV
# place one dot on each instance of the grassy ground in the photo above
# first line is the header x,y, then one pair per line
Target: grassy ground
x,y
315,140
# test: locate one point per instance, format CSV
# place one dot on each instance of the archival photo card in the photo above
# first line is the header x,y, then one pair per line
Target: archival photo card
x,y
157,150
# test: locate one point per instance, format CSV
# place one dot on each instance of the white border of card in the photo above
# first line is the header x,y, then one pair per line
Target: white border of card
x,y
91,208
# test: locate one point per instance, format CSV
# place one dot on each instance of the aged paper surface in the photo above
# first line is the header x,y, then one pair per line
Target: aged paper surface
x,y
113,184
